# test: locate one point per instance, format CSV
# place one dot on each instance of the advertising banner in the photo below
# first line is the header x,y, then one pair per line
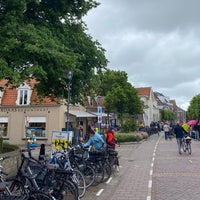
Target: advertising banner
x,y
60,140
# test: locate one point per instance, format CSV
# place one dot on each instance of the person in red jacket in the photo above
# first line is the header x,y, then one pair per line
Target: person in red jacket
x,y
110,139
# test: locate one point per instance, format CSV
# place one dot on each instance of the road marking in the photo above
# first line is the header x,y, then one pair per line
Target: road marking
x,y
148,197
108,181
190,161
99,192
150,184
151,171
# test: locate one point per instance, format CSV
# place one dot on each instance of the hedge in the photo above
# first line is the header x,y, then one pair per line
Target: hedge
x,y
131,137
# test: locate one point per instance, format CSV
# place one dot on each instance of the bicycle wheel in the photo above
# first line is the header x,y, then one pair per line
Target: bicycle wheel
x,y
79,179
89,175
16,187
39,195
65,190
189,149
99,174
107,171
184,146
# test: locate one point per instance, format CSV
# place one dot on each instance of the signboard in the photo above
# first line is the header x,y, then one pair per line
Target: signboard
x,y
99,119
27,119
60,140
99,110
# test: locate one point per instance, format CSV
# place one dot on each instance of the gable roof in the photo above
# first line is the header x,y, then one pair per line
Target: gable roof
x,y
9,97
144,91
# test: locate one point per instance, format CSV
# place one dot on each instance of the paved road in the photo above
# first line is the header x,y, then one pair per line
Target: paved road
x,y
132,180
152,170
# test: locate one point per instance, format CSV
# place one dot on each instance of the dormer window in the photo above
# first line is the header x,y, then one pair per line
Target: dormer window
x,y
1,94
91,101
24,94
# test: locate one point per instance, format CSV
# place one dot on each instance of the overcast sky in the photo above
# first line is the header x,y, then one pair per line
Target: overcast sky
x,y
157,42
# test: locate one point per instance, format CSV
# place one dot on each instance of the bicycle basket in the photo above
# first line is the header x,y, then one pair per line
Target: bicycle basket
x,y
97,155
188,140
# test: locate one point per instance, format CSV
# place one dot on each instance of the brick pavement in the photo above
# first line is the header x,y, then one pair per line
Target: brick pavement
x,y
132,181
174,176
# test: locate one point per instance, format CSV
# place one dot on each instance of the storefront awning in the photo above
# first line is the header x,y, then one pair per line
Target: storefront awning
x,y
83,114
96,114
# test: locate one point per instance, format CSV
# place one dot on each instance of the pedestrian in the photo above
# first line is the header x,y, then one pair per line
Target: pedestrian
x,y
179,132
166,129
95,140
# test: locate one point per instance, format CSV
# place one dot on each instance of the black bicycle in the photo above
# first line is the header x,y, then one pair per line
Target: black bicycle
x,y
13,189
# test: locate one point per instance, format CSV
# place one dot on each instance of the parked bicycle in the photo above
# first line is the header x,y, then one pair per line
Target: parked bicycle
x,y
13,189
42,176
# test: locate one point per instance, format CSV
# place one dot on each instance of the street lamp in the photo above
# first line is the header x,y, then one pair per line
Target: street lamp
x,y
69,77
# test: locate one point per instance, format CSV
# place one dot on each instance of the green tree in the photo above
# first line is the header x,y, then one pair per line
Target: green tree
x,y
43,39
193,111
120,96
167,115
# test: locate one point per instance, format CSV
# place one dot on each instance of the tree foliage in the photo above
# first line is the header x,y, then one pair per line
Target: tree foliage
x,y
43,39
120,96
193,111
167,115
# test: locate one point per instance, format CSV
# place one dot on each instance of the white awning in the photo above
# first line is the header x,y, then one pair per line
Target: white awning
x,y
79,113
96,114
3,119
37,119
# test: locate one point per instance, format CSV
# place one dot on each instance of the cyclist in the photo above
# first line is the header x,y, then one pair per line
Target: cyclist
x,y
110,139
95,140
179,132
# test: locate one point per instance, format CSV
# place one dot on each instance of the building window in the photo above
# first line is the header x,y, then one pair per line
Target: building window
x,y
36,130
91,101
36,126
4,126
24,94
23,97
4,129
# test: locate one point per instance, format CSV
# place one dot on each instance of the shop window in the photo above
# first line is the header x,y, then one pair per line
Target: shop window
x,y
36,129
4,129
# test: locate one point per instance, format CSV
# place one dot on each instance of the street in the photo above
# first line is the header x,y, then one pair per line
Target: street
x,y
152,170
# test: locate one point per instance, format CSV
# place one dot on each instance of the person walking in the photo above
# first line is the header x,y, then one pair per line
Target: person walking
x,y
166,129
179,132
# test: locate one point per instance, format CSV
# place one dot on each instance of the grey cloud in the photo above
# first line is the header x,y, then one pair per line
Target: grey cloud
x,y
155,41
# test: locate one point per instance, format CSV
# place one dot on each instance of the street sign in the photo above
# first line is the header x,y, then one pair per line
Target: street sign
x,y
27,119
99,110
99,119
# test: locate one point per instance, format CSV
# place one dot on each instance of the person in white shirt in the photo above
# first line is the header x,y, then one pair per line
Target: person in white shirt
x,y
166,129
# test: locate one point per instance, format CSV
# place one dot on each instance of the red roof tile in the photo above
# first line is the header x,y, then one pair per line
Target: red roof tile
x,y
144,91
10,95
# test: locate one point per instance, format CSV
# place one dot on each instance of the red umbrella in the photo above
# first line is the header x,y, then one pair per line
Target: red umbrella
x,y
192,122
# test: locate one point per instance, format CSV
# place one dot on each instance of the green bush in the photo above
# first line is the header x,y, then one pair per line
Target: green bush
x,y
129,125
6,147
131,137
